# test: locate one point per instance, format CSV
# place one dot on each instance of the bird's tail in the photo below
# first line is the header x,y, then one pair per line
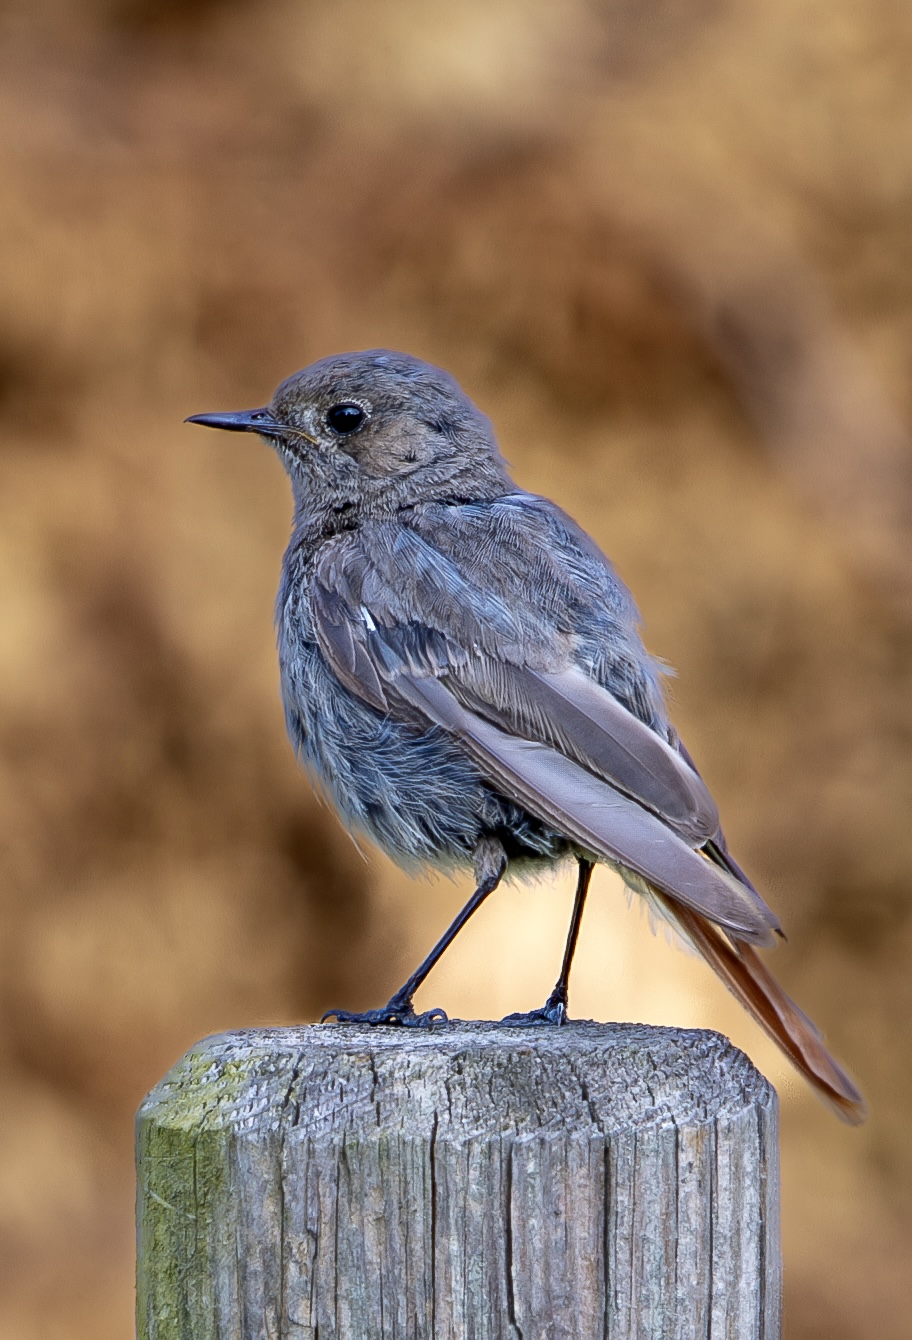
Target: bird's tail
x,y
747,977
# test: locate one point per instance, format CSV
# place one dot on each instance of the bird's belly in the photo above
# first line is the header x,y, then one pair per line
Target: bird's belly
x,y
413,791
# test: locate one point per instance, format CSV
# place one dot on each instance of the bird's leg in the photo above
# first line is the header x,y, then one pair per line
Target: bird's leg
x,y
490,864
554,1010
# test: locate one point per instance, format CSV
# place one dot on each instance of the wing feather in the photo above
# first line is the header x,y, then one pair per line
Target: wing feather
x,y
556,743
594,815
581,719
346,653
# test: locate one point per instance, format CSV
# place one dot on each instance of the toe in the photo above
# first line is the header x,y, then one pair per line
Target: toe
x,y
548,1015
394,1014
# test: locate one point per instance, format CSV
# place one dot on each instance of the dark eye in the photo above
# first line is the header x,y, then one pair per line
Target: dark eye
x,y
345,418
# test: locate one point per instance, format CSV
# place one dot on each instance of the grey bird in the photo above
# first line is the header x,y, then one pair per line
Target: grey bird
x,y
463,676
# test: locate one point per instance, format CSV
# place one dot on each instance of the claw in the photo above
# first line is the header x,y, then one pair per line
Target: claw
x,y
552,1013
396,1013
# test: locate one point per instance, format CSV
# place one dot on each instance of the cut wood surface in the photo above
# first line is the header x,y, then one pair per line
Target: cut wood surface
x,y
469,1182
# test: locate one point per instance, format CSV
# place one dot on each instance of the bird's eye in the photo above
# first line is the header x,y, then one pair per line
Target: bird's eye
x,y
345,418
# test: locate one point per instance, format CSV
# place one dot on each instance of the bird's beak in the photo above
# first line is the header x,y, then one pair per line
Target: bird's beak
x,y
241,421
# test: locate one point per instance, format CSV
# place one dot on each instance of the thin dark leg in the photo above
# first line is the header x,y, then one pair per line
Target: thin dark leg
x,y
554,1010
398,1010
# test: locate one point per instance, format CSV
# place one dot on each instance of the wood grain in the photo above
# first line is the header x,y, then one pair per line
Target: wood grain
x,y
471,1182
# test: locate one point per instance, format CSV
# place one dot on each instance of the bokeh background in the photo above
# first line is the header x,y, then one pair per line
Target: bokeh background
x,y
667,246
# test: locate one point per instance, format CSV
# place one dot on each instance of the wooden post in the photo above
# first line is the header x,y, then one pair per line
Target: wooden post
x,y
470,1182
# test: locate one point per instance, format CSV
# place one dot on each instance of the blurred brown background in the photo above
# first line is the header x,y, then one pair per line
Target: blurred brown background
x,y
667,246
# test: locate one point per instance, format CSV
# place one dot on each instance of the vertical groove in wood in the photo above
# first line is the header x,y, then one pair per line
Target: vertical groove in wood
x,y
595,1182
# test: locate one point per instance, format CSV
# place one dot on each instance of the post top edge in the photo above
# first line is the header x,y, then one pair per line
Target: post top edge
x,y
332,1076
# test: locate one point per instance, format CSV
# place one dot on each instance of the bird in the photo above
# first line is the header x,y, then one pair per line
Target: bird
x,y
464,677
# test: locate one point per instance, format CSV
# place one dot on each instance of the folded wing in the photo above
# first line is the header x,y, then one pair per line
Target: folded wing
x,y
556,743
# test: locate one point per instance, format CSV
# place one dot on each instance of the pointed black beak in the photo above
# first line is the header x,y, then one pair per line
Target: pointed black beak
x,y
240,421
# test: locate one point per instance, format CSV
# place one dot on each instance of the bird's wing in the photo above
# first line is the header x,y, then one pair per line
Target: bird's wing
x,y
410,637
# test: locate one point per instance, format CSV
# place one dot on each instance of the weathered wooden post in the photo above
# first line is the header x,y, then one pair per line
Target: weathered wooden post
x,y
466,1183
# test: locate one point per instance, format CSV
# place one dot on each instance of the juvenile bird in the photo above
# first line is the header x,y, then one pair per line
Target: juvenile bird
x,y
463,676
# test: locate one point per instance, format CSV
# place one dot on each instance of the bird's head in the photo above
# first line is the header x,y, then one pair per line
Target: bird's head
x,y
383,430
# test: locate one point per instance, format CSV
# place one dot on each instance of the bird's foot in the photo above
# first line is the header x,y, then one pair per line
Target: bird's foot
x,y
553,1012
399,1013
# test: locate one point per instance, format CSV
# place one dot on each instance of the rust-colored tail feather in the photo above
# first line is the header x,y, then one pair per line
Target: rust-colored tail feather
x,y
747,977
